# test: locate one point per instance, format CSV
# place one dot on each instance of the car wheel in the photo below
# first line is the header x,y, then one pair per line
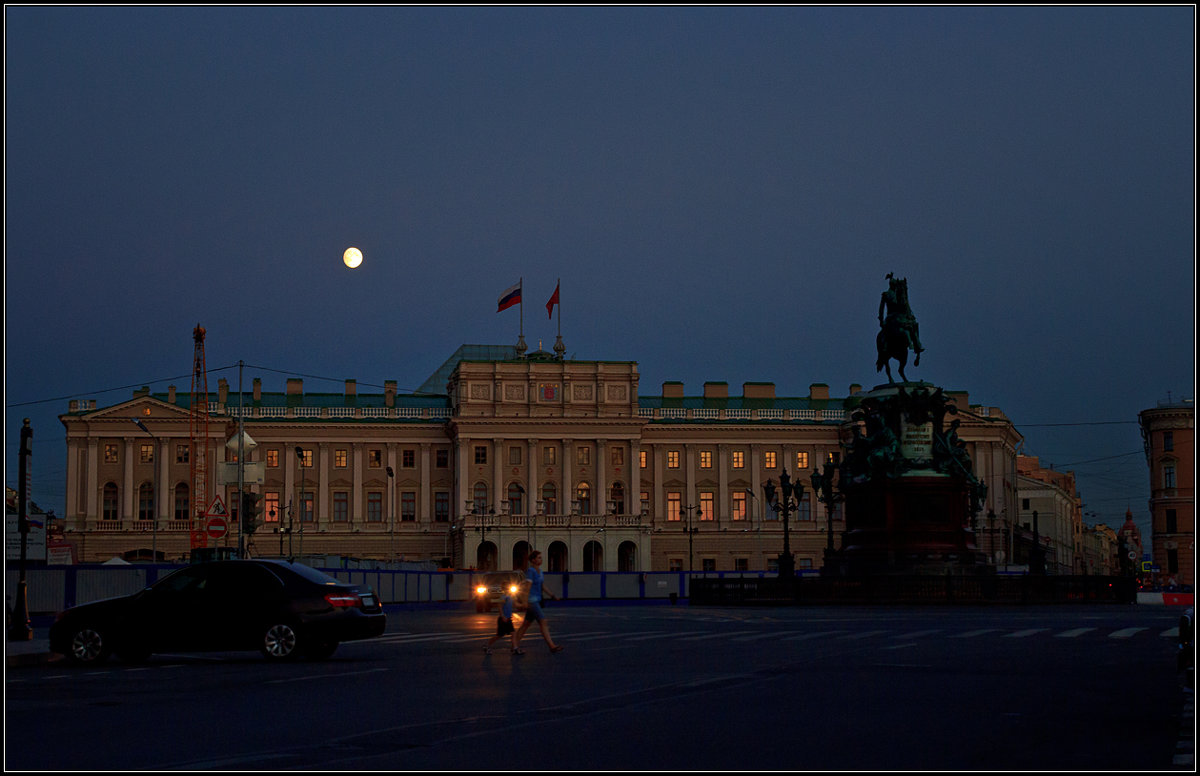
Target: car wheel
x,y
321,650
88,646
280,642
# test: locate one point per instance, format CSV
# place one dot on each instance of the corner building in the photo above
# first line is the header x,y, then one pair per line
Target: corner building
x,y
496,454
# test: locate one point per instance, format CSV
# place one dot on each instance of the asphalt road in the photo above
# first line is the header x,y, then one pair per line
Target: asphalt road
x,y
642,687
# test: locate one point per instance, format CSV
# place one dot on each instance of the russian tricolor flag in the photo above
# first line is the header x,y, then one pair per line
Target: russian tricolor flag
x,y
510,297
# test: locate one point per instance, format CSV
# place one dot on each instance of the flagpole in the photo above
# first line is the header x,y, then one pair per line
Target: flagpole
x,y
521,348
559,348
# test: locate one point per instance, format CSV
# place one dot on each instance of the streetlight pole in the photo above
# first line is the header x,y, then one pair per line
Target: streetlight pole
x,y
687,512
300,467
792,493
391,514
154,498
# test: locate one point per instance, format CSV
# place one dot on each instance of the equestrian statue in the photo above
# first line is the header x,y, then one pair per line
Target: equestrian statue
x,y
897,329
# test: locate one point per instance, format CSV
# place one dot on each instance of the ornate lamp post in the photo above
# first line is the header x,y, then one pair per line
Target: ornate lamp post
x,y
686,512
823,488
391,513
792,494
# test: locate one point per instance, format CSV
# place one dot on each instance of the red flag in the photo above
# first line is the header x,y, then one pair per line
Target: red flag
x,y
553,301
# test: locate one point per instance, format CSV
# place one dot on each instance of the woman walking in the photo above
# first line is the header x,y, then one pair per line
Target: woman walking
x,y
533,609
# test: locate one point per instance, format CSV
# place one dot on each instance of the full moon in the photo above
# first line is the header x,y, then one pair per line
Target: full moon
x,y
352,257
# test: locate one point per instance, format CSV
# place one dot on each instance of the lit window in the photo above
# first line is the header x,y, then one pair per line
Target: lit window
x,y
110,453
583,455
375,458
674,506
306,458
769,459
706,505
147,453
801,460
584,494
739,505
549,455
705,459
739,459
672,459
642,458
341,459
273,458
271,506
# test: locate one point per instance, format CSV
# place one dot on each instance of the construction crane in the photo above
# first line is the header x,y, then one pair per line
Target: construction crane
x,y
198,426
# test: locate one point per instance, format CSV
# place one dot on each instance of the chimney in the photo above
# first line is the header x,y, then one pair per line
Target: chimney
x,y
672,389
222,390
295,386
258,389
758,390
818,391
171,394
351,387
959,398
389,393
855,389
716,390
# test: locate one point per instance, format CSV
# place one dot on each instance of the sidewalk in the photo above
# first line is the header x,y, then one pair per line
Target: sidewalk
x,y
32,652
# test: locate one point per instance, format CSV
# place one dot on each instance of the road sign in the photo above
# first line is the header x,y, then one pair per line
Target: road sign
x,y
217,527
217,508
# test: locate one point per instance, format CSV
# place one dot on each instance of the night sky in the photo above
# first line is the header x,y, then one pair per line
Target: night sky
x,y
721,191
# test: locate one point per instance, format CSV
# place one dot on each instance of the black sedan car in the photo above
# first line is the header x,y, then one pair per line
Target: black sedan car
x,y
283,609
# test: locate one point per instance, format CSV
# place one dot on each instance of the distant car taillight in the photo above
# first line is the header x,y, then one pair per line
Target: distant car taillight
x,y
341,600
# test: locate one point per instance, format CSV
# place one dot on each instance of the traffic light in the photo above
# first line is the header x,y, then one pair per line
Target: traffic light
x,y
251,512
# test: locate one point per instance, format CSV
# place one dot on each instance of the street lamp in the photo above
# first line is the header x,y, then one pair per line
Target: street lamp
x,y
391,514
686,512
154,499
300,458
792,494
823,487
750,493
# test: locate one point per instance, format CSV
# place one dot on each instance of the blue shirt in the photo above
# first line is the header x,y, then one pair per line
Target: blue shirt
x,y
508,607
535,577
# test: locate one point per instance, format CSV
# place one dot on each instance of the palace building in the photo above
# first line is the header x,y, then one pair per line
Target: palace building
x,y
497,453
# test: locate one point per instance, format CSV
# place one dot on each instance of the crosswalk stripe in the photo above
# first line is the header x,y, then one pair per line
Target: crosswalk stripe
x,y
917,634
705,637
864,634
972,634
1023,633
661,635
816,635
1070,634
1124,633
769,635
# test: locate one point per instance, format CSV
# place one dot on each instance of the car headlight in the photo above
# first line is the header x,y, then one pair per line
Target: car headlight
x,y
481,590
512,589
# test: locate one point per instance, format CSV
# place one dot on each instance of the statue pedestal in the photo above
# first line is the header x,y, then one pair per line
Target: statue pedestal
x,y
914,524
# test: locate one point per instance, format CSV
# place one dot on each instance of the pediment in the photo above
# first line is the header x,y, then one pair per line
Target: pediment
x,y
143,408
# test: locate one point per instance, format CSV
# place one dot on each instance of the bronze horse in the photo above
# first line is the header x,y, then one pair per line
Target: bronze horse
x,y
898,330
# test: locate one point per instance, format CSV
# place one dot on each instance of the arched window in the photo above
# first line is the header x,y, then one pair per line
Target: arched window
x,y
480,497
182,503
146,501
111,504
627,557
617,496
485,557
550,499
557,556
583,492
515,492
593,556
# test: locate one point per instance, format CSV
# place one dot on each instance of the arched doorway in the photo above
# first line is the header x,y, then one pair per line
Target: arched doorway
x,y
627,556
556,558
485,557
593,556
520,555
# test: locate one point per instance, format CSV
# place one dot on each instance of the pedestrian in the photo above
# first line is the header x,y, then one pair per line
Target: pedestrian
x,y
533,609
504,624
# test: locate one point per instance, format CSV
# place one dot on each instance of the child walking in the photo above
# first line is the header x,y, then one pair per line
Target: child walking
x,y
504,624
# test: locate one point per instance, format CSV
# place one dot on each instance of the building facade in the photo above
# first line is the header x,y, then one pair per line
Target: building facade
x,y
1053,511
1169,436
514,452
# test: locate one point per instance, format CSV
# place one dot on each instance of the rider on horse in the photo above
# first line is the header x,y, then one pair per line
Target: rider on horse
x,y
900,321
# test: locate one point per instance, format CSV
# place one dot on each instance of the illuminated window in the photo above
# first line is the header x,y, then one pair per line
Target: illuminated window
x,y
375,458
147,453
642,458
705,459
271,512
306,458
769,459
583,455
672,459
739,459
549,455
706,505
341,459
584,494
110,453
646,501
273,458
801,460
674,506
739,505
